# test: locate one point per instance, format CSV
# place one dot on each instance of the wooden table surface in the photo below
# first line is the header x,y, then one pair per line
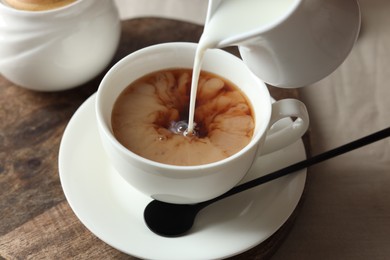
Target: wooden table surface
x,y
36,220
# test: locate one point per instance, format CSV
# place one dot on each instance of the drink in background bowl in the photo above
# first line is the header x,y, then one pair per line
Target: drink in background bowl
x,y
194,183
37,5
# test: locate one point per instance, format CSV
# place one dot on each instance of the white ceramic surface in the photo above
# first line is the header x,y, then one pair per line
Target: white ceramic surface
x,y
190,184
113,210
59,48
301,47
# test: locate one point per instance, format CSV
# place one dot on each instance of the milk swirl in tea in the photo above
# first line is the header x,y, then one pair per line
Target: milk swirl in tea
x,y
150,116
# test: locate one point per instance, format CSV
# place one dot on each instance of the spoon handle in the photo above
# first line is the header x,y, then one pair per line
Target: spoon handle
x,y
308,162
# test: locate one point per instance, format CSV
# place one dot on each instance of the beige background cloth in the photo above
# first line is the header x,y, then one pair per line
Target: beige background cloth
x,y
346,212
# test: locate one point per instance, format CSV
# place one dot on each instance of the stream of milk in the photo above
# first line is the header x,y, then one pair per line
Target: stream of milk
x,y
232,18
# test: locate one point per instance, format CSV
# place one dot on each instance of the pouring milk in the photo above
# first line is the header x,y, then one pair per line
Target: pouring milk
x,y
231,18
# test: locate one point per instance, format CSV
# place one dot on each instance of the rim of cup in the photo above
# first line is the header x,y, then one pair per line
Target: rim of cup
x,y
260,128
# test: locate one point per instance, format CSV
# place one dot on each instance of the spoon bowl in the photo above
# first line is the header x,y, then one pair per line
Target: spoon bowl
x,y
173,219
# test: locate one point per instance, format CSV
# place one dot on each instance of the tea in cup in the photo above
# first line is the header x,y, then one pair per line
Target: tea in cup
x,y
146,94
150,118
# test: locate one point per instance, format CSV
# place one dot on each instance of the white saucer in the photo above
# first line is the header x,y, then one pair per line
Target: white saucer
x,y
113,210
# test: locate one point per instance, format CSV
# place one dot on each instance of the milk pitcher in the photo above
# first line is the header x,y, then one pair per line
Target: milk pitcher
x,y
286,43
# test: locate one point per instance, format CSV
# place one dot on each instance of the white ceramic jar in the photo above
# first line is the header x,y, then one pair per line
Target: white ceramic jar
x,y
59,48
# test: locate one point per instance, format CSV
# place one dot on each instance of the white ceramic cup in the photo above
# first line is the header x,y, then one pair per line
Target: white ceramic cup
x,y
59,48
191,184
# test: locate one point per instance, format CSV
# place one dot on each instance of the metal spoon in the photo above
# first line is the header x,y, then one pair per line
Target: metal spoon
x,y
173,220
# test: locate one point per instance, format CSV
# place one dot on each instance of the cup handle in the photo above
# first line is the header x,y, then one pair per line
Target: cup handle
x,y
295,130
